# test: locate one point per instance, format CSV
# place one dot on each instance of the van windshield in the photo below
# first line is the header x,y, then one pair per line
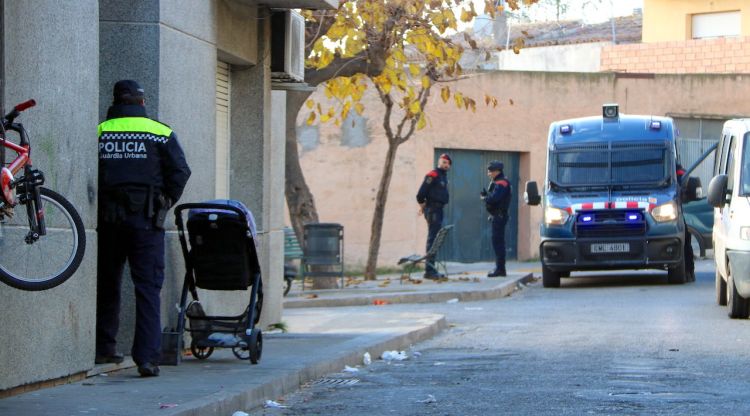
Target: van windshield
x,y
610,164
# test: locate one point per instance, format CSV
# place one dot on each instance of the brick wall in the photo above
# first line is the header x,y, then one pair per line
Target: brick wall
x,y
700,56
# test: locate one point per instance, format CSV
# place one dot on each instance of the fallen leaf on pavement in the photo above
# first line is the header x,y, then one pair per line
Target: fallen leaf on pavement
x,y
311,296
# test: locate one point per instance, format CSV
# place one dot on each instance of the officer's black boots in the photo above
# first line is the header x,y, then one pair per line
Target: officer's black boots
x,y
497,273
148,370
434,276
115,358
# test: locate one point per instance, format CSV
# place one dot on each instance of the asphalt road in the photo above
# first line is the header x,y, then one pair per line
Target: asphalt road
x,y
622,344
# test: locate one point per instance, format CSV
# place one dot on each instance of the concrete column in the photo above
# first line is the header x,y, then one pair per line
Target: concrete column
x,y
51,55
257,160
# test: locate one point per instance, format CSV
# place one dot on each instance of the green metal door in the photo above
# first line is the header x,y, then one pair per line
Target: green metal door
x,y
470,240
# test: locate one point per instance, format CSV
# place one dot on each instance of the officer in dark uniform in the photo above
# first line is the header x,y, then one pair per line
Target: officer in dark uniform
x,y
142,173
689,256
432,196
497,202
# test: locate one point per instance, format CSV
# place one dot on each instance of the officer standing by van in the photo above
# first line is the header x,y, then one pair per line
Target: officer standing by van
x,y
497,202
142,173
432,197
689,255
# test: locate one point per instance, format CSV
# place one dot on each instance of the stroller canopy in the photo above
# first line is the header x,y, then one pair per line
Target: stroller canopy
x,y
229,202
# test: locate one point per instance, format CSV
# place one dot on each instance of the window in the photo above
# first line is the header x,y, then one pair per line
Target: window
x,y
713,25
622,163
745,172
694,137
223,93
730,164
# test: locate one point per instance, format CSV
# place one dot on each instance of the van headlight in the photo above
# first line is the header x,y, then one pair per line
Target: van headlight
x,y
665,212
555,216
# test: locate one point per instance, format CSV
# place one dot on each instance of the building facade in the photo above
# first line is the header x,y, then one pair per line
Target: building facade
x,y
687,37
205,68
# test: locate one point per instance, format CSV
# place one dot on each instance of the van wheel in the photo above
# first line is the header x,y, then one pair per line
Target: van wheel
x,y
738,306
550,278
677,275
721,290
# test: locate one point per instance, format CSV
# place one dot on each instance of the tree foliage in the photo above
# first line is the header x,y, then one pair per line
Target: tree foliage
x,y
401,48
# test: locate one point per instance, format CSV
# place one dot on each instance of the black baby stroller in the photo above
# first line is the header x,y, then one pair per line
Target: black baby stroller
x,y
220,254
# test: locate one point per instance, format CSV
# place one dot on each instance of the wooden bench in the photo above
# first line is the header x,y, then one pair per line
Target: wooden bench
x,y
410,263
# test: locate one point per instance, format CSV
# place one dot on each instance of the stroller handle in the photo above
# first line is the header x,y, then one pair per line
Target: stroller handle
x,y
198,205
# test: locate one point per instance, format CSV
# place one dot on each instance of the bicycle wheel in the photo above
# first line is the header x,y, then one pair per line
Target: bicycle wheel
x,y
50,260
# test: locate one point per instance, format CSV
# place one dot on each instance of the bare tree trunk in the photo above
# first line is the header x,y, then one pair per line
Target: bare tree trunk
x,y
298,196
379,213
299,199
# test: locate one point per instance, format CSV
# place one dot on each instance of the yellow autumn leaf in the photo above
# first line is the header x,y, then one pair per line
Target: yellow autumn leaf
x,y
414,107
445,94
310,104
422,122
359,108
311,118
465,16
414,69
426,82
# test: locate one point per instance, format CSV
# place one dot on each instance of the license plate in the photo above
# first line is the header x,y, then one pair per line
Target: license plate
x,y
610,248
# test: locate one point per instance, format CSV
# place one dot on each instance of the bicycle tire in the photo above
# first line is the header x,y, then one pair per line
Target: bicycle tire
x,y
71,267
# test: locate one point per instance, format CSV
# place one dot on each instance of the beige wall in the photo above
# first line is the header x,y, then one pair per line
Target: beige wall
x,y
344,179
699,56
669,20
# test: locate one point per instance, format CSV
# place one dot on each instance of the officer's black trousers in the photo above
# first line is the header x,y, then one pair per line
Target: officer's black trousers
x,y
144,250
434,216
498,240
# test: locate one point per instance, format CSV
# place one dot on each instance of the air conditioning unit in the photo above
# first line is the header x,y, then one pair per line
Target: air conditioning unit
x,y
287,46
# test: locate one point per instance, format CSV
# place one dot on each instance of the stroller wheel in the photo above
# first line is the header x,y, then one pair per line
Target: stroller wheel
x,y
200,353
255,345
241,351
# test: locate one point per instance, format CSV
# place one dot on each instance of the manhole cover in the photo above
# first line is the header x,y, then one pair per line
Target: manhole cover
x,y
335,382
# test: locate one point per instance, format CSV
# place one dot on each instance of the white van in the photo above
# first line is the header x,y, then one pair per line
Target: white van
x,y
729,193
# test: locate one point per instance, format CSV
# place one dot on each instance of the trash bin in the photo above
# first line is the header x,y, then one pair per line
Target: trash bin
x,y
323,249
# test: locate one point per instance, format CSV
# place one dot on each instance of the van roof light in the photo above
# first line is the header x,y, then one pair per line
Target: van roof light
x,y
655,125
565,129
610,111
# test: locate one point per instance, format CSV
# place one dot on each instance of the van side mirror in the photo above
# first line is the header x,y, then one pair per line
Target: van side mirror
x,y
693,190
531,196
717,191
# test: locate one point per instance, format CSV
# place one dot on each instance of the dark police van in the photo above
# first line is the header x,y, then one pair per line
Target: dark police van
x,y
612,198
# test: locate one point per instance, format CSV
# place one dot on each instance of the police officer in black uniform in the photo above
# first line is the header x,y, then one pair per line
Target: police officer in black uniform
x,y
142,173
688,251
497,202
432,196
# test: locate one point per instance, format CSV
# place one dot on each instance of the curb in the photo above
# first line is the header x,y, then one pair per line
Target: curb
x,y
226,403
500,291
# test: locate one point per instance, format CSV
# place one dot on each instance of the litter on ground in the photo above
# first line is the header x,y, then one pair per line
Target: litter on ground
x,y
394,356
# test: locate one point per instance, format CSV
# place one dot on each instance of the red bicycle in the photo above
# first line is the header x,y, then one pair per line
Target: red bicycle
x,y
42,239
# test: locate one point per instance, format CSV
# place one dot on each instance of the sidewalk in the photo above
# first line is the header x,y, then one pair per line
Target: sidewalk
x,y
465,282
321,341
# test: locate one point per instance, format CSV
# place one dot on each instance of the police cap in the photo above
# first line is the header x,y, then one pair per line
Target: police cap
x,y
127,89
495,165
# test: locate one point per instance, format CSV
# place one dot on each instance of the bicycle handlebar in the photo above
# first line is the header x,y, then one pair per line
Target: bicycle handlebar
x,y
18,108
24,105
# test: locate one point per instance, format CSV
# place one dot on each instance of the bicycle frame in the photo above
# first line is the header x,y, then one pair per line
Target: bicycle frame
x,y
26,185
